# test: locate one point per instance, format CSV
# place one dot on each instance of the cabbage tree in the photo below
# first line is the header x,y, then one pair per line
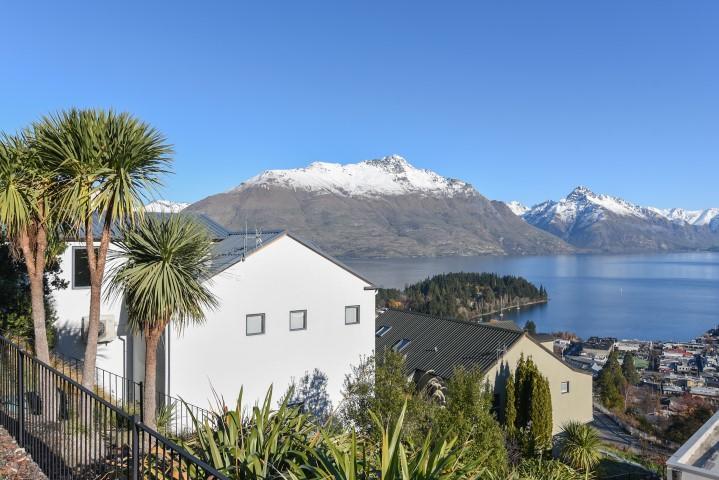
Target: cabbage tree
x,y
26,185
108,164
161,267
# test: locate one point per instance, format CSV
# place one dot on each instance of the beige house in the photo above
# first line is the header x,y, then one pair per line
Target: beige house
x,y
432,344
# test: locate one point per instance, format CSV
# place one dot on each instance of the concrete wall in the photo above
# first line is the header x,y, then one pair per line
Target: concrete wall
x,y
282,276
574,405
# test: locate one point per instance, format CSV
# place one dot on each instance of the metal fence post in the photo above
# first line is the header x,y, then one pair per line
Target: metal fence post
x,y
142,401
135,450
20,399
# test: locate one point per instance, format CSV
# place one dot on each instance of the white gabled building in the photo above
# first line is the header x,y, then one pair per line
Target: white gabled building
x,y
285,309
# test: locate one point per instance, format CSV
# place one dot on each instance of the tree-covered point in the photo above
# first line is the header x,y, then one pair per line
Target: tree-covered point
x,y
463,295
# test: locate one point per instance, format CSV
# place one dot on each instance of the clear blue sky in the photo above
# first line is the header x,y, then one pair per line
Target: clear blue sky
x,y
524,99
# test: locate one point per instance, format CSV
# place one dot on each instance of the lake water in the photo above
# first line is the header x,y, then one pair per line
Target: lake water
x,y
649,296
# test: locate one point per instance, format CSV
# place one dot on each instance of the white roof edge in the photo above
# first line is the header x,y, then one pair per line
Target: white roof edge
x,y
370,285
678,458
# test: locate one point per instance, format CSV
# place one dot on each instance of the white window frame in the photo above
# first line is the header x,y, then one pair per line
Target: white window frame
x,y
382,331
304,320
247,319
357,309
401,344
562,389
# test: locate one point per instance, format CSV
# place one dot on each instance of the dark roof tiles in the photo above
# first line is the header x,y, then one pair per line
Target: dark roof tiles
x,y
442,344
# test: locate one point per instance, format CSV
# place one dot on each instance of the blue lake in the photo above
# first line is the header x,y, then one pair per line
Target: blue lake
x,y
648,296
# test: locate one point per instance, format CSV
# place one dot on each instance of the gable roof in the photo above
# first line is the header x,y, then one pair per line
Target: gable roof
x,y
441,344
238,246
216,231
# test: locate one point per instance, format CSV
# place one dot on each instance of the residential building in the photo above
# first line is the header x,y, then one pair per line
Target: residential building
x,y
438,345
285,309
598,348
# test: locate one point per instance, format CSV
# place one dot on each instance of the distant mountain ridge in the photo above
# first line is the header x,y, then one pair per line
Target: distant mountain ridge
x,y
378,208
598,222
165,206
391,175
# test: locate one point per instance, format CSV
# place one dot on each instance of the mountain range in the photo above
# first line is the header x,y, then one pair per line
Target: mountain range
x,y
378,208
388,208
603,223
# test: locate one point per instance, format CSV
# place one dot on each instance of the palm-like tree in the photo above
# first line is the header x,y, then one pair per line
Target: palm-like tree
x,y
162,269
26,184
108,164
580,446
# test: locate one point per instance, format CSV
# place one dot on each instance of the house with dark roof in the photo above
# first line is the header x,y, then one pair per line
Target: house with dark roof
x,y
285,309
439,345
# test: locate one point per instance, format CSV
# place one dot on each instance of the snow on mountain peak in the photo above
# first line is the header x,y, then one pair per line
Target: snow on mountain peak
x,y
517,208
165,206
391,175
583,207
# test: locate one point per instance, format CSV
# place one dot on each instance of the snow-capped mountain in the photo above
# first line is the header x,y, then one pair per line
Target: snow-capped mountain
x,y
517,208
391,175
603,222
165,206
692,217
378,208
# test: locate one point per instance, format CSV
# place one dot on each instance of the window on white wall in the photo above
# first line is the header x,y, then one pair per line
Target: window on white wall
x,y
564,388
256,324
80,268
298,320
352,315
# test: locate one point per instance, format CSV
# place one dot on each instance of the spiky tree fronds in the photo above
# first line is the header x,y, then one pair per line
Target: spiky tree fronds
x,y
580,446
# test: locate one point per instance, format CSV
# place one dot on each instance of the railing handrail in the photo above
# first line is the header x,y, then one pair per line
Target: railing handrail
x,y
134,423
181,451
69,380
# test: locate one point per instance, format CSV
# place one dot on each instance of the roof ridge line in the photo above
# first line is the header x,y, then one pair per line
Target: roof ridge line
x,y
457,320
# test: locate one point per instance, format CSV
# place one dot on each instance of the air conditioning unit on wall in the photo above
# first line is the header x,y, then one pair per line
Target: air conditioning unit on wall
x,y
108,328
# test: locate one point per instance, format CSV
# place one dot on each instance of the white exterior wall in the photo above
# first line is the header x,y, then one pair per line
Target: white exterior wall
x,y
283,275
71,304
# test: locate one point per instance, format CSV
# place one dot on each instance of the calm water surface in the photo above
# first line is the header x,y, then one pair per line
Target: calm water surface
x,y
651,296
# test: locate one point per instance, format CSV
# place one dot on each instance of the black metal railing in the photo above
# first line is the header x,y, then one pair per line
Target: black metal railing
x,y
120,391
176,418
74,433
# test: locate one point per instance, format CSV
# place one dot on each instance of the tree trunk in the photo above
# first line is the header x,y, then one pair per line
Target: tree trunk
x,y
33,243
96,264
152,339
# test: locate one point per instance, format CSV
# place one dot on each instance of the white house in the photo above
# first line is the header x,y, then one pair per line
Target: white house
x,y
285,308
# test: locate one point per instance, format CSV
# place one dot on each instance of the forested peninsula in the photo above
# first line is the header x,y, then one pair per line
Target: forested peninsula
x,y
463,295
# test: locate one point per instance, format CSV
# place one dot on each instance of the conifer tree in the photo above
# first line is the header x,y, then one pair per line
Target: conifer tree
x,y
540,415
612,383
629,369
510,408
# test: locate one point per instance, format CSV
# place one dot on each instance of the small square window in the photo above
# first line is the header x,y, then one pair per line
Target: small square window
x,y
298,320
256,324
352,315
382,330
80,268
564,387
401,345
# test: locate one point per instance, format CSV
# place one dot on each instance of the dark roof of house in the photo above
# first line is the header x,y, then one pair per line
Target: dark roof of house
x,y
440,344
510,324
216,231
237,246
